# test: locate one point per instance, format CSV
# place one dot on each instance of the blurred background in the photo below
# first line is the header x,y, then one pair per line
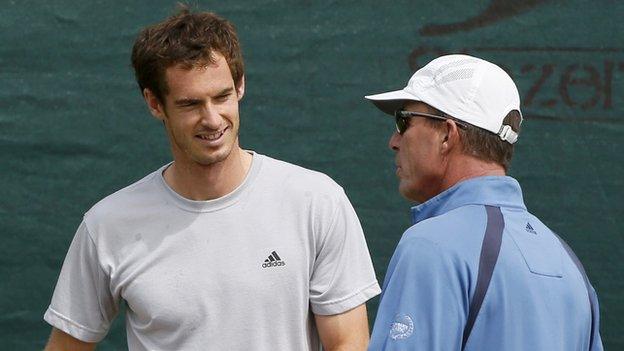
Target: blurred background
x,y
74,128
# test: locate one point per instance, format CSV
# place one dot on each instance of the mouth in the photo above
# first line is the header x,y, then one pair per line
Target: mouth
x,y
212,137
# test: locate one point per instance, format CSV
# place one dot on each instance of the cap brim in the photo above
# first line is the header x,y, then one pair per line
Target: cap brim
x,y
391,101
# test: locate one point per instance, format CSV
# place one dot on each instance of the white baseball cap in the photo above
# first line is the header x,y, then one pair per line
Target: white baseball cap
x,y
467,88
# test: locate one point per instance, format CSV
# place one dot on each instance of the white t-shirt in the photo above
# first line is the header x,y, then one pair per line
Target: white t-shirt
x,y
244,271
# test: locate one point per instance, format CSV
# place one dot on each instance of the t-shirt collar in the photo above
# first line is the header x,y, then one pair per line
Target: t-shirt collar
x,y
215,204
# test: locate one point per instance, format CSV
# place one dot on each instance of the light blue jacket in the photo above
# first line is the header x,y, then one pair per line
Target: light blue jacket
x,y
537,299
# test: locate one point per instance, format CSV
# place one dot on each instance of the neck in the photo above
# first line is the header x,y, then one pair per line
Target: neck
x,y
199,182
466,167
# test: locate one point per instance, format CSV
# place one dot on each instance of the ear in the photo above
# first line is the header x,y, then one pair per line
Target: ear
x,y
450,136
240,90
153,103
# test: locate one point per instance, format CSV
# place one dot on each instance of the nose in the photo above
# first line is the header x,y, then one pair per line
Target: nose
x,y
393,143
210,117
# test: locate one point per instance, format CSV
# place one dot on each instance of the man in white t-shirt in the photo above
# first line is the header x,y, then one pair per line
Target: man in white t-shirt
x,y
222,249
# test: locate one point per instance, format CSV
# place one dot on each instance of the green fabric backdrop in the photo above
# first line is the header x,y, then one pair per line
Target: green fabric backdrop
x,y
73,126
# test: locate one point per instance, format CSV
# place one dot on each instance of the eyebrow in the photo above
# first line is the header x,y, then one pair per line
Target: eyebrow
x,y
186,101
225,91
191,101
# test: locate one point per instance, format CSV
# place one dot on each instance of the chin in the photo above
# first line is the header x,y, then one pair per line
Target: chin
x,y
210,160
405,192
410,193
214,158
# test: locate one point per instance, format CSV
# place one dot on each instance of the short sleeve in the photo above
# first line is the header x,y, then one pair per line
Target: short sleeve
x,y
343,276
424,302
82,304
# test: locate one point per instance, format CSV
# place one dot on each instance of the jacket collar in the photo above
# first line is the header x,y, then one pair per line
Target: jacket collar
x,y
500,191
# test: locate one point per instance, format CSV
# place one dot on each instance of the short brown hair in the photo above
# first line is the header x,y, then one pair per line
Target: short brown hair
x,y
488,146
186,38
485,145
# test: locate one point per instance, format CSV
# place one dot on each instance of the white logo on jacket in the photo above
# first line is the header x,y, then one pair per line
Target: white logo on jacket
x,y
402,327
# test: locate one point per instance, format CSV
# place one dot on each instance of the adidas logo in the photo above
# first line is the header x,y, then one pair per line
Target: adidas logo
x,y
273,261
530,229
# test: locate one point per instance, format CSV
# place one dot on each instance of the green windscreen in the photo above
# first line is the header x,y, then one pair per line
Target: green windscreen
x,y
74,127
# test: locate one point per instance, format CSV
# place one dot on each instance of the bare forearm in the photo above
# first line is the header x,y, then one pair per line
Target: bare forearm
x,y
61,341
361,346
344,332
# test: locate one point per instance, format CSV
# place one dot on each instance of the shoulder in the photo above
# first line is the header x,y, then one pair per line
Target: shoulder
x,y
123,202
292,177
442,251
460,230
430,272
309,195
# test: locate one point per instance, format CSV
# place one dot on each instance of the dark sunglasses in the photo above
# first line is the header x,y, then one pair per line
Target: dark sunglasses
x,y
401,116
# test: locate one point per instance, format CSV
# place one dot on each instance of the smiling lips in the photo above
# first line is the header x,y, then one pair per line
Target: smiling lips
x,y
212,136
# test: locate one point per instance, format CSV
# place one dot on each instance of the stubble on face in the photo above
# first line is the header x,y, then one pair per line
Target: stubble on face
x,y
201,113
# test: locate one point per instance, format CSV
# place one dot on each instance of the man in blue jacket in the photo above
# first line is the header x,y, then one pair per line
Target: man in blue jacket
x,y
476,270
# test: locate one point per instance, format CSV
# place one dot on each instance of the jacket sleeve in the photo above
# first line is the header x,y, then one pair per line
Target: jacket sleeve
x,y
597,341
425,300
